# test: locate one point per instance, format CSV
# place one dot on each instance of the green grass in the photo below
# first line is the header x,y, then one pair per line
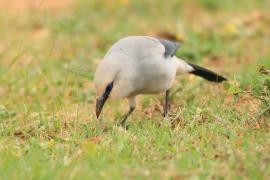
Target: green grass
x,y
48,128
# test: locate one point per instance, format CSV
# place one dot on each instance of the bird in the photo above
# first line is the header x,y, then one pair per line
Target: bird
x,y
137,65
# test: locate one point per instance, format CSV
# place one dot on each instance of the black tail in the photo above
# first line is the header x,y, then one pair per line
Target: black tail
x,y
206,74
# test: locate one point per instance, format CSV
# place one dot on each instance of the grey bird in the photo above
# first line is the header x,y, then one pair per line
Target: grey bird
x,y
137,65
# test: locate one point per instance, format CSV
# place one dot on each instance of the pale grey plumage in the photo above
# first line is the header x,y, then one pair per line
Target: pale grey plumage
x,y
140,65
137,65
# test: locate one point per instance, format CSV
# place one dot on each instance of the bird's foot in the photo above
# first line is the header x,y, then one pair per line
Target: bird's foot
x,y
123,123
165,114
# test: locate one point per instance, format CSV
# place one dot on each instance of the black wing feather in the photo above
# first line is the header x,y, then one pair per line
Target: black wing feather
x,y
170,47
206,73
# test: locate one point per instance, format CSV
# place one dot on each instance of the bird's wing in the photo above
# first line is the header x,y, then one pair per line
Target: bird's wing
x,y
170,47
137,47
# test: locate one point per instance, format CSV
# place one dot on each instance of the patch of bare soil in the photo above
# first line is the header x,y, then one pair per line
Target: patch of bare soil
x,y
248,103
245,103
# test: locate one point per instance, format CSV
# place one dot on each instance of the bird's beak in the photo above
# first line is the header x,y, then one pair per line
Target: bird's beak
x,y
99,104
102,99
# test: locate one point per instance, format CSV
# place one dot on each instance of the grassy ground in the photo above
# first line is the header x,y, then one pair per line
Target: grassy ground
x,y
48,128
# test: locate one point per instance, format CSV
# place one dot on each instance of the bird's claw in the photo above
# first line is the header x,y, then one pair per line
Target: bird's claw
x,y
122,124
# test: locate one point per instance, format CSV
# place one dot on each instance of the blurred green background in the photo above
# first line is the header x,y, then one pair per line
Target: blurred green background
x,y
48,54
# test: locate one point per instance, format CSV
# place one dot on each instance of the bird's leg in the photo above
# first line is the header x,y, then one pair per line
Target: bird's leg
x,y
132,105
166,103
125,117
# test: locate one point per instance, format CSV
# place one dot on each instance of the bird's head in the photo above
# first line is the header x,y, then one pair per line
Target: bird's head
x,y
104,81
